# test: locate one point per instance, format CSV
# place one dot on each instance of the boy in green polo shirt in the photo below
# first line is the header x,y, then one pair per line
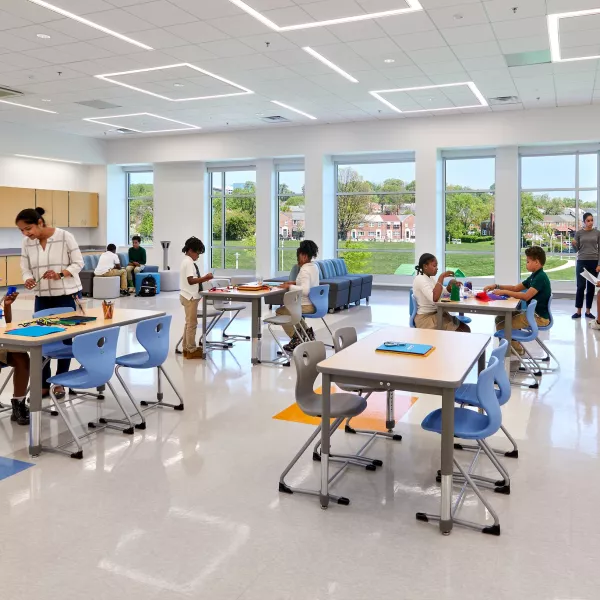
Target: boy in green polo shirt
x,y
537,286
137,259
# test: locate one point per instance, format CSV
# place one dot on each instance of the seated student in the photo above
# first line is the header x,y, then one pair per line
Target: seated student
x,y
109,265
20,362
427,291
537,286
308,277
137,260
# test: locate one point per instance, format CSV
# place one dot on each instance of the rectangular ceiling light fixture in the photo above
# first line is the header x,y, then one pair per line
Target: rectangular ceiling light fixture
x,y
328,63
554,33
482,101
294,110
108,77
60,160
29,107
70,15
413,6
102,121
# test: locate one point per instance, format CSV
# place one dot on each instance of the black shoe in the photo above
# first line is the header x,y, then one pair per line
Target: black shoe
x,y
20,412
590,316
576,316
294,343
124,292
311,334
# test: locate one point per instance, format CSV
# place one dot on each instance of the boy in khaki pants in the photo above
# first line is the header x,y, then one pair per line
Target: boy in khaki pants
x,y
109,265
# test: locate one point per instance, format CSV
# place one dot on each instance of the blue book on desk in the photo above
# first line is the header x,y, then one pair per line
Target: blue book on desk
x,y
35,331
406,348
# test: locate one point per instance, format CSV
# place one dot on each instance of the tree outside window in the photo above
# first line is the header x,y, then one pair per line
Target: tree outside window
x,y
140,201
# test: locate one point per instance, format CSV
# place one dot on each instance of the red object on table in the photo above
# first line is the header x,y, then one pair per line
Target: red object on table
x,y
483,297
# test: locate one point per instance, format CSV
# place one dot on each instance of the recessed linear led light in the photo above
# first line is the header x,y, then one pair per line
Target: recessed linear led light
x,y
60,160
70,15
30,107
108,76
469,84
328,63
100,121
413,6
554,34
294,110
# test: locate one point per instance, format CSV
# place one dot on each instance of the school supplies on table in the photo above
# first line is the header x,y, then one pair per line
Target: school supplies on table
x,y
482,297
35,331
253,288
493,296
406,348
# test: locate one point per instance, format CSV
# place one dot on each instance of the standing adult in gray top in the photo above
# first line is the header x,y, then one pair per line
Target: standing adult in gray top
x,y
587,244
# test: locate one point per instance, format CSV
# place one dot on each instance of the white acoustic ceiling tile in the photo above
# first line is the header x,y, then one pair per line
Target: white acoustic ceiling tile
x,y
588,37
531,71
208,9
159,39
410,71
83,7
23,60
495,76
535,84
452,66
268,43
238,63
105,65
570,67
501,10
526,44
29,11
262,5
6,68
432,55
324,10
73,52
581,51
485,62
398,58
318,36
427,4
375,6
227,48
238,26
408,23
189,53
75,30
407,82
114,45
197,32
534,26
120,21
458,77
459,16
358,30
570,81
293,57
377,47
469,35
161,13
580,23
9,42
290,15
31,32
476,50
420,41
10,21
270,74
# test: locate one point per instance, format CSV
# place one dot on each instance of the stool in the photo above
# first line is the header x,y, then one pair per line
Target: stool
x,y
169,281
139,277
106,288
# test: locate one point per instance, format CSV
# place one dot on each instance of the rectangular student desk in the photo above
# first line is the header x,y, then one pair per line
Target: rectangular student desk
x,y
235,295
440,374
13,343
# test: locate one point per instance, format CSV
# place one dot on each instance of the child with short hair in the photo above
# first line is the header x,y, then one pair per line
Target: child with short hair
x,y
20,363
137,260
537,286
190,283
109,265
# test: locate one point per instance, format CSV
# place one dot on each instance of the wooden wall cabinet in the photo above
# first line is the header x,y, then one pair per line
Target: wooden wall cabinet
x,y
13,270
3,282
56,205
12,202
83,209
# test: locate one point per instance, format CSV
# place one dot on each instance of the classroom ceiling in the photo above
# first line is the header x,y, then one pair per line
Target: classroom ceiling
x,y
271,50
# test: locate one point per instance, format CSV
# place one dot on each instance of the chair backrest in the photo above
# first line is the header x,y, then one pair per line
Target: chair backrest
x,y
319,296
531,318
486,395
327,269
306,358
549,326
413,307
49,312
501,379
123,259
294,272
96,352
153,335
293,302
344,337
339,264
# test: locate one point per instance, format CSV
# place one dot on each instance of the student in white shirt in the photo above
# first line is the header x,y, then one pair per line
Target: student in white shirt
x,y
427,290
109,265
307,278
190,285
50,265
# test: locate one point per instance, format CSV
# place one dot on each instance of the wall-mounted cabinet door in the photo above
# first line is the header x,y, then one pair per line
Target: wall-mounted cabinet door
x,y
60,209
3,282
83,209
43,198
12,202
13,270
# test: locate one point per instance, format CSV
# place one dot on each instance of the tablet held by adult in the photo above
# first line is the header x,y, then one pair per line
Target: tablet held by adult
x,y
50,266
587,244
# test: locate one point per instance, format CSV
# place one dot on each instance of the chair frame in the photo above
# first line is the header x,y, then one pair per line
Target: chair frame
x,y
3,407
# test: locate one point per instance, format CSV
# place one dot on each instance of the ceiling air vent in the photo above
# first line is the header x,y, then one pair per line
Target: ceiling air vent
x,y
275,119
123,130
99,104
504,100
7,92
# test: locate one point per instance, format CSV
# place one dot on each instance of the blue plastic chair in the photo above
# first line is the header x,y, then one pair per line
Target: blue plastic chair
x,y
473,425
96,352
319,297
549,356
153,335
412,306
523,336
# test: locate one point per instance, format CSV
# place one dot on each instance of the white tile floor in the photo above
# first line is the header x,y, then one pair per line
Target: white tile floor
x,y
189,508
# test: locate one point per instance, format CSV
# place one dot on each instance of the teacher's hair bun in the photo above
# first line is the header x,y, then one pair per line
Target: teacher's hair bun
x,y
40,211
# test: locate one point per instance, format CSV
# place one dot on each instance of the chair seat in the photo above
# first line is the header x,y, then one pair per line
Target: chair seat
x,y
135,360
463,319
210,312
348,387
467,394
342,405
278,320
518,335
79,379
468,424
57,350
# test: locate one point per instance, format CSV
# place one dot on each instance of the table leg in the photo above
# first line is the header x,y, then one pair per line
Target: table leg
x,y
390,417
447,460
256,330
440,317
326,410
204,309
35,401
508,333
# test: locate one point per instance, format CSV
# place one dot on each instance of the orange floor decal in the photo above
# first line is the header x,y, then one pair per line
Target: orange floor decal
x,y
372,418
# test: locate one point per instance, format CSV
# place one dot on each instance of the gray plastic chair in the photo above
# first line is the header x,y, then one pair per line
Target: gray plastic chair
x,y
227,307
306,358
213,316
293,302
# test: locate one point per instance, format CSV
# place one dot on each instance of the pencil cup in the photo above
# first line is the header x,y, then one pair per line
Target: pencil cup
x,y
108,309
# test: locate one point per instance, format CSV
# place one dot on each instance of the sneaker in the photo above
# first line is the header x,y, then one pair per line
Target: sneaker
x,y
197,353
594,324
576,316
124,292
590,316
20,412
311,334
293,343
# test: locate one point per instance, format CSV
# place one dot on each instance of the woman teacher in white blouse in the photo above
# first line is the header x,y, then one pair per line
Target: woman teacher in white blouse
x,y
50,265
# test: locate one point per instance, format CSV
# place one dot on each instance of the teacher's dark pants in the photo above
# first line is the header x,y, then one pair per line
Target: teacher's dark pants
x,y
584,285
42,303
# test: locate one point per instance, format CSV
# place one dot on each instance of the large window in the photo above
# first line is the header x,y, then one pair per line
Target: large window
x,y
469,213
556,191
290,202
233,219
140,205
376,217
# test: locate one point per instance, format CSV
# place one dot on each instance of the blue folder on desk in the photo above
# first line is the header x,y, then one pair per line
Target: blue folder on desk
x,y
35,331
407,348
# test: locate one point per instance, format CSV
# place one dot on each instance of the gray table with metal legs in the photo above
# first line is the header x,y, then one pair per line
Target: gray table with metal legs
x,y
14,343
255,299
440,374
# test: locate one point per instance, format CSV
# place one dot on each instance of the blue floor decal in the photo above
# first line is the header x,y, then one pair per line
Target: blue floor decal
x,y
10,466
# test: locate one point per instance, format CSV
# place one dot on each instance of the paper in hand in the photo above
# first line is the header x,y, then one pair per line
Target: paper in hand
x,y
587,275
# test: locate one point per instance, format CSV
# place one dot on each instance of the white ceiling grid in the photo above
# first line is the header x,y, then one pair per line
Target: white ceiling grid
x,y
448,42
